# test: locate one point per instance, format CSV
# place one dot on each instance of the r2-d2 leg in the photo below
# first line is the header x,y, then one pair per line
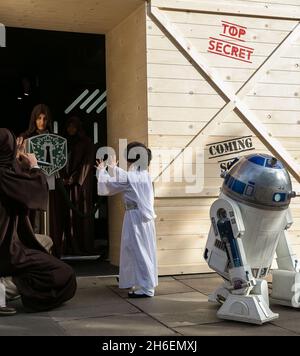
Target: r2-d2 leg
x,y
243,297
286,279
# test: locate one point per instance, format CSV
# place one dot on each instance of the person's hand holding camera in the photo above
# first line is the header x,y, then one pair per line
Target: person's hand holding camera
x,y
28,161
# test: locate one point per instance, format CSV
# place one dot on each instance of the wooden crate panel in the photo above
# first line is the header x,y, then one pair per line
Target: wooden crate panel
x,y
178,242
181,103
167,257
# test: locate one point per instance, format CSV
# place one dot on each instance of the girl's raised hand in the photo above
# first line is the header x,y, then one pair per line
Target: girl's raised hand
x,y
112,161
100,164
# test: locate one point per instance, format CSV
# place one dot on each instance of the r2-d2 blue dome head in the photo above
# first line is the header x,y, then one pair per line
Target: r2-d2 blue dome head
x,y
259,180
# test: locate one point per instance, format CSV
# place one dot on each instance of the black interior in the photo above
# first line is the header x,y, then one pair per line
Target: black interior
x,y
54,68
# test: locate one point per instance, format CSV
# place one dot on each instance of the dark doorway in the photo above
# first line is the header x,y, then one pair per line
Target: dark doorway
x,y
67,72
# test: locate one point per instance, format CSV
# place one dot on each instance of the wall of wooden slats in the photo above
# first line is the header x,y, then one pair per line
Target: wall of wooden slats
x,y
181,102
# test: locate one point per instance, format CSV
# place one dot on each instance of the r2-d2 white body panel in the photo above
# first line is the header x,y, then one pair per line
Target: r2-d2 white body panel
x,y
261,236
249,221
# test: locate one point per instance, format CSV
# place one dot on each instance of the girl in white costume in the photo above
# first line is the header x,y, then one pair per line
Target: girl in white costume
x,y
138,263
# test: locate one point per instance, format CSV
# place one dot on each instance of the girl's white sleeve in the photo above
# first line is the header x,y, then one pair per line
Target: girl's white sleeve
x,y
111,185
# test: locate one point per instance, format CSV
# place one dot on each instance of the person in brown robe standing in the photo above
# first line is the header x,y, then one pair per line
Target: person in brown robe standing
x,y
78,178
43,281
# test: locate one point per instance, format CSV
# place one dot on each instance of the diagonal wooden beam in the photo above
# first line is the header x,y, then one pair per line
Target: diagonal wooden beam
x,y
233,102
236,7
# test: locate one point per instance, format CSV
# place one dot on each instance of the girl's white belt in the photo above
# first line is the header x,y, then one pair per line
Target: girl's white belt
x,y
130,206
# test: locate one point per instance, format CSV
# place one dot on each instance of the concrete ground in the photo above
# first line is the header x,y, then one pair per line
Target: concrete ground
x,y
180,307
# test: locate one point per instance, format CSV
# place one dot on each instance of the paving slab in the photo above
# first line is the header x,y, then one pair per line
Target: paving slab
x,y
92,282
285,313
204,285
126,325
94,311
29,325
233,329
179,309
166,286
172,287
291,324
92,296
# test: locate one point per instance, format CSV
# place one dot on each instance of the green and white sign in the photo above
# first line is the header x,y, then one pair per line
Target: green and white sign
x,y
51,149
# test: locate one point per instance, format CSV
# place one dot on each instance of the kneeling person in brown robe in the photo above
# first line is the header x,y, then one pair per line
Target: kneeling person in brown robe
x,y
43,281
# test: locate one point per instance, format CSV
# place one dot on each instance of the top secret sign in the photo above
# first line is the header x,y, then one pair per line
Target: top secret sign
x,y
225,47
51,149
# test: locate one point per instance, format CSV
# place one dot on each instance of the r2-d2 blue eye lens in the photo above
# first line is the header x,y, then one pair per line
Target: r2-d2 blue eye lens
x,y
279,197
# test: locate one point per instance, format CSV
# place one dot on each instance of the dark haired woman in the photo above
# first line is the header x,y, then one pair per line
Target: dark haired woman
x,y
43,281
40,122
138,265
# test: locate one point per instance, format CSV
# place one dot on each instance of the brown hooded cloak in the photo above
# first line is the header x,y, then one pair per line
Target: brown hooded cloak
x,y
43,281
79,180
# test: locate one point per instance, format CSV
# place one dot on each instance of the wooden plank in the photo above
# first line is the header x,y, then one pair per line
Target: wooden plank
x,y
265,90
215,102
183,216
283,77
188,190
280,2
175,85
267,103
227,75
197,208
210,187
158,141
202,31
162,43
211,163
125,70
177,128
186,100
185,226
199,115
167,202
163,57
181,242
235,7
166,257
184,114
196,18
198,212
296,249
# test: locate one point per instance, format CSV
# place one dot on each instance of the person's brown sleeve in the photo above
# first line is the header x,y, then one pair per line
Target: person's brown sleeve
x,y
30,190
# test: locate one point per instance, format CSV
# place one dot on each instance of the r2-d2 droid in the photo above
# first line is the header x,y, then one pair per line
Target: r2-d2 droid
x,y
248,225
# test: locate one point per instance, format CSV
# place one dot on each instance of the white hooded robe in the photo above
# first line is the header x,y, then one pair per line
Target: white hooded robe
x,y
138,262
